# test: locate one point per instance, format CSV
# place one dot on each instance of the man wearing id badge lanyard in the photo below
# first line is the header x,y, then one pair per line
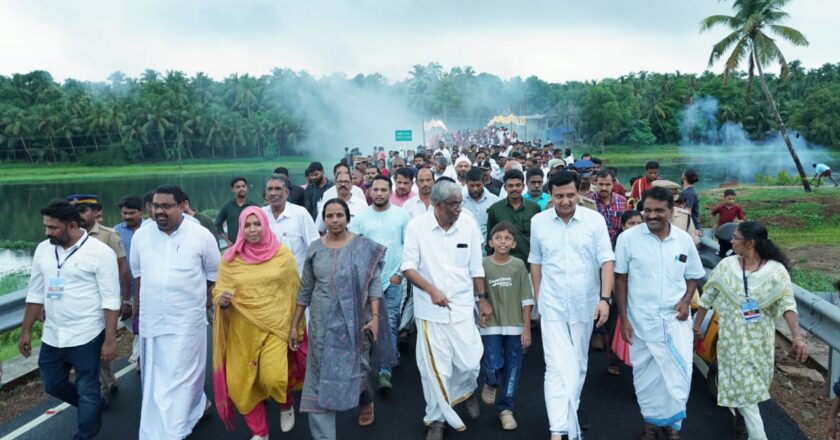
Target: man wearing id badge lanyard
x,y
749,291
657,269
85,204
75,280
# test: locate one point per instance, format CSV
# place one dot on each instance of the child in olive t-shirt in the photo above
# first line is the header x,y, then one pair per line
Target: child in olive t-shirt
x,y
507,333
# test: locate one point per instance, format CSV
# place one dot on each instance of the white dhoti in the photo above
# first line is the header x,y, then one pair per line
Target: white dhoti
x,y
662,374
173,368
566,351
449,360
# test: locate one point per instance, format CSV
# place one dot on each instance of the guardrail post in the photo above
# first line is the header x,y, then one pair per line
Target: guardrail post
x,y
833,371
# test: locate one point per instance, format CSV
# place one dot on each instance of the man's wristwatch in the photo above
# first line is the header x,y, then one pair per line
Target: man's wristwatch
x,y
481,296
607,299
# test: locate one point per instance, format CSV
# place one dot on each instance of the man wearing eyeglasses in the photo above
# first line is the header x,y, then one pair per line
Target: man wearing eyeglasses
x,y
344,190
174,264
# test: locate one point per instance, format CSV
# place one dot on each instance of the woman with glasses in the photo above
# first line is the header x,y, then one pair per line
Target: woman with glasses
x,y
749,291
341,286
254,296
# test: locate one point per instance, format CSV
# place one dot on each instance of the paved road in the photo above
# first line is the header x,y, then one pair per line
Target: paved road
x,y
609,400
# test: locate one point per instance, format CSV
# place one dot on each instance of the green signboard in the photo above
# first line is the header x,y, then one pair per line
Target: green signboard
x,y
402,135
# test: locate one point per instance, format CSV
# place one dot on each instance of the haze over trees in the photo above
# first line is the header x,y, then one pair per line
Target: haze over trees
x,y
171,116
753,26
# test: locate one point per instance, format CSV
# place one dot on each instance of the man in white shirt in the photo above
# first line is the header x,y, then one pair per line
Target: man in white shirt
x,y
442,259
477,199
572,273
415,207
422,202
290,223
174,265
657,270
332,192
75,280
344,186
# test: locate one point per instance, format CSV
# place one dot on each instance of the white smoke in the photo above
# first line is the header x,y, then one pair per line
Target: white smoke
x,y
730,147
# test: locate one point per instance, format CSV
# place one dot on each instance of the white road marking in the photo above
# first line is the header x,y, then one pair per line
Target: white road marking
x,y
52,412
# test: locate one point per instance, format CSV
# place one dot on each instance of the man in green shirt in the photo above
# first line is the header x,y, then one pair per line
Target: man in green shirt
x,y
517,211
230,212
204,220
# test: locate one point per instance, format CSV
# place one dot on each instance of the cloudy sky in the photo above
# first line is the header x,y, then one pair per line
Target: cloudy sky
x,y
557,40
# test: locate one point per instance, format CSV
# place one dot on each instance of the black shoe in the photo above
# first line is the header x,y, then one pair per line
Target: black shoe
x,y
739,423
435,431
402,341
105,400
583,419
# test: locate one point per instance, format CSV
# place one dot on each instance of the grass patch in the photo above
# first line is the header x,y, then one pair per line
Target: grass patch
x,y
13,282
9,341
18,245
812,281
793,218
25,173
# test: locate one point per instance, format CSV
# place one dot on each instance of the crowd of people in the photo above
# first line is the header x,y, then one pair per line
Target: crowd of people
x,y
462,250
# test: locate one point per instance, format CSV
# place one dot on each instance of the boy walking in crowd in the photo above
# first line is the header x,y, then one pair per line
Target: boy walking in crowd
x,y
729,212
507,333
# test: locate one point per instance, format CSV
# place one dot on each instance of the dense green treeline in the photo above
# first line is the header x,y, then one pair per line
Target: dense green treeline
x,y
171,116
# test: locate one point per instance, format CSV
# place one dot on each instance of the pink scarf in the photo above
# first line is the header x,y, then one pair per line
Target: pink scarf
x,y
258,252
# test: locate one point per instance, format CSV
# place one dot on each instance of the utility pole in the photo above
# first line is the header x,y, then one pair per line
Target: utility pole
x,y
525,135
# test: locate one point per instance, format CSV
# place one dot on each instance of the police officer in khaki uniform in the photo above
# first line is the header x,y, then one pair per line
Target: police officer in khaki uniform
x,y
584,169
86,203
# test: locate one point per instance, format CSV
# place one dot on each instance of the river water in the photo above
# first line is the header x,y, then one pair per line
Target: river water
x,y
21,202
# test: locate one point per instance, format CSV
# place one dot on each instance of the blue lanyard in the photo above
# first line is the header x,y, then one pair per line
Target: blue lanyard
x,y
60,265
744,273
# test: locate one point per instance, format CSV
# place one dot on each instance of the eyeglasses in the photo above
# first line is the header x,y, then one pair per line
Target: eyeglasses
x,y
736,238
163,206
453,204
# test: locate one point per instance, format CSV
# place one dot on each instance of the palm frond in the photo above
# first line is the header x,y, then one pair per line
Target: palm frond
x,y
735,58
789,34
714,20
723,46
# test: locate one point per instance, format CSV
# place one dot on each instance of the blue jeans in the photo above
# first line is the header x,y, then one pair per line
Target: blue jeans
x,y
392,297
502,352
55,364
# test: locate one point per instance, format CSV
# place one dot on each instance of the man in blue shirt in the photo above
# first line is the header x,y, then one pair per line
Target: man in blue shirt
x,y
535,178
385,224
131,209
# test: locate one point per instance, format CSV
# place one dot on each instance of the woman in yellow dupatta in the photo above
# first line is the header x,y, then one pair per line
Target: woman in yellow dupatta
x,y
254,296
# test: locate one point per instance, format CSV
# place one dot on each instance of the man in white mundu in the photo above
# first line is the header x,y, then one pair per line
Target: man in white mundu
x,y
657,270
572,273
174,264
442,258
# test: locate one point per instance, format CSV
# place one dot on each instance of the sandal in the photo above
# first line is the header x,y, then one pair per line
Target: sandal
x,y
613,370
366,416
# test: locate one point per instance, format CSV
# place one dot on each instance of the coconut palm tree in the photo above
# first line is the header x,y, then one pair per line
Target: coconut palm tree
x,y
750,42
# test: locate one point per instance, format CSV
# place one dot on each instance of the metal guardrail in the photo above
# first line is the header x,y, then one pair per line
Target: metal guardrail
x,y
12,306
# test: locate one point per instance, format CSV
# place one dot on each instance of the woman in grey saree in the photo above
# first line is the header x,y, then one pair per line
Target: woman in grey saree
x,y
341,287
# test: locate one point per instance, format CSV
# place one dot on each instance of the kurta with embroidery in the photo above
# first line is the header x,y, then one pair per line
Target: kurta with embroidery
x,y
745,350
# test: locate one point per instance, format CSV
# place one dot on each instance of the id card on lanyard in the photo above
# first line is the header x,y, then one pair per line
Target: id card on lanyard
x,y
55,285
749,308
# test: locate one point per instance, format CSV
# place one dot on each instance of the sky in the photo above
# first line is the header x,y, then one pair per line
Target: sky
x,y
556,40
